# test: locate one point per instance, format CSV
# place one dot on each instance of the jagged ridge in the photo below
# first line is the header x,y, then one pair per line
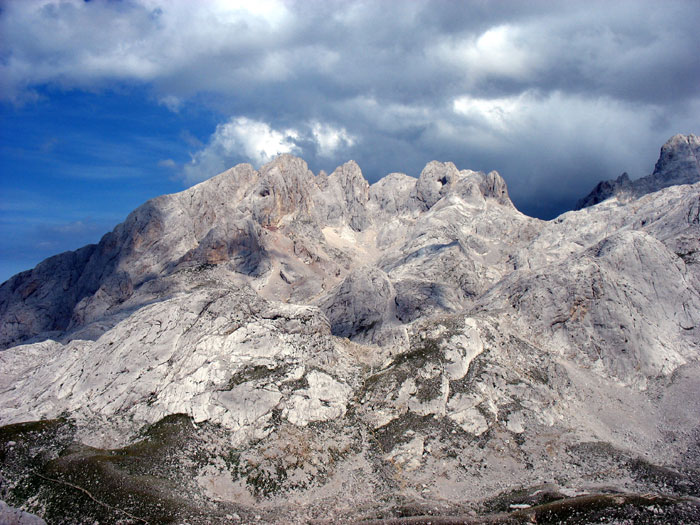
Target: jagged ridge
x,y
231,219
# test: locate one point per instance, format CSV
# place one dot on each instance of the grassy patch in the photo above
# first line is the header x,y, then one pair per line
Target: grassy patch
x,y
254,373
394,432
685,483
427,352
602,456
607,508
67,482
428,389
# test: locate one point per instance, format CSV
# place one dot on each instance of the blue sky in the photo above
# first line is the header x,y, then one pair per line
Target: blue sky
x,y
74,163
105,104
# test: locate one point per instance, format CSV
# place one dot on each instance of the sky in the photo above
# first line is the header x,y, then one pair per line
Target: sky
x,y
106,104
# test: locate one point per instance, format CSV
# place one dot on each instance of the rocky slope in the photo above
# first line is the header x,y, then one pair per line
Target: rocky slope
x,y
281,346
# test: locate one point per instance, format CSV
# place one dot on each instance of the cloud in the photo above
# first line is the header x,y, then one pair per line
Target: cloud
x,y
239,138
329,139
579,90
244,139
76,43
391,50
496,114
497,52
256,139
573,137
306,58
172,102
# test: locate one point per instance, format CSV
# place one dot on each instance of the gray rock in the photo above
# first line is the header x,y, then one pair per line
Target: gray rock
x,y
391,195
237,243
284,188
11,516
343,198
434,182
625,304
361,304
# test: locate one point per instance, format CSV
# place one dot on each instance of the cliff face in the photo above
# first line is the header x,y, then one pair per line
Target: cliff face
x,y
296,346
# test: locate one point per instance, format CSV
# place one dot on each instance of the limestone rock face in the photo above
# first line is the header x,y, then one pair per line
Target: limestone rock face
x,y
679,163
343,198
284,188
320,228
12,516
626,304
392,195
434,181
363,301
494,186
277,346
235,242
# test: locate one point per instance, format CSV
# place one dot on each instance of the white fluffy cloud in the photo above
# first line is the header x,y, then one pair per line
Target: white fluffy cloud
x,y
254,141
76,43
394,83
499,51
238,138
329,139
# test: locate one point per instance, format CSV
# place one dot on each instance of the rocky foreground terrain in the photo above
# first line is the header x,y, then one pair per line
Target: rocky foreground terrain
x,y
283,347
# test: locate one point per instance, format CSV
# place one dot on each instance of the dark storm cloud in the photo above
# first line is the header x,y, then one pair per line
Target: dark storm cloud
x,y
556,96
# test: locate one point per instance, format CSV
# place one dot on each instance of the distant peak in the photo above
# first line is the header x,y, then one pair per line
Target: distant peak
x,y
434,181
349,170
623,178
678,164
679,138
285,161
679,154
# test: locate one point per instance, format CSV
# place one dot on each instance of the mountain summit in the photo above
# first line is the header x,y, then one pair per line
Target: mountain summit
x,y
679,163
277,346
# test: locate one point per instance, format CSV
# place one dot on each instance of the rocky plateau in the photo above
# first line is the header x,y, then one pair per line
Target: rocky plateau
x,y
275,346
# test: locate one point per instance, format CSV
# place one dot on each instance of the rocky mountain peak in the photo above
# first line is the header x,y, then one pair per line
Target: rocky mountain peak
x,y
679,163
343,197
435,181
350,177
495,187
285,187
223,221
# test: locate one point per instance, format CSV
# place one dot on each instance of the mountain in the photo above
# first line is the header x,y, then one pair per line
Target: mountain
x,y
679,163
278,346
